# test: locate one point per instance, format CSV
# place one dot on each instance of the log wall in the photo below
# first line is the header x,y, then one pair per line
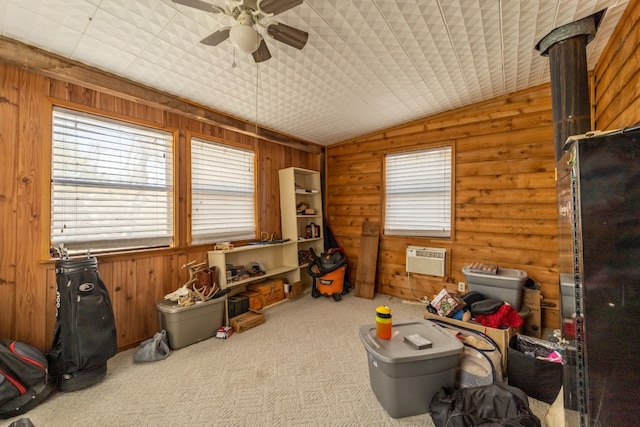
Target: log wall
x,y
504,192
617,74
135,280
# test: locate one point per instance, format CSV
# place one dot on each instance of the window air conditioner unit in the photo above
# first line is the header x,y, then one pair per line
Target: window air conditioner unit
x,y
426,260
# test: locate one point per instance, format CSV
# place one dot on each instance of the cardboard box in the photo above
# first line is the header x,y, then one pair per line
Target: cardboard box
x,y
533,322
246,321
271,291
296,290
500,336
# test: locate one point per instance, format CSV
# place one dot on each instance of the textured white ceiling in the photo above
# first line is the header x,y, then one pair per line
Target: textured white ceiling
x,y
368,64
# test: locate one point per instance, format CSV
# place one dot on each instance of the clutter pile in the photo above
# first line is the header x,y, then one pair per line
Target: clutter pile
x,y
494,298
240,272
201,286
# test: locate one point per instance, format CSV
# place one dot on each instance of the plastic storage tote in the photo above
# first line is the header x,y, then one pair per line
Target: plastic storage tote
x,y
188,325
405,376
506,285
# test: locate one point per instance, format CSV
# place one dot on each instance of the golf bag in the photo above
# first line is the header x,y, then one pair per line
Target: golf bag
x,y
328,271
85,331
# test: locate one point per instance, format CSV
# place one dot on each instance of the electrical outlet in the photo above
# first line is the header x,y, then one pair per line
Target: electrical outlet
x,y
460,286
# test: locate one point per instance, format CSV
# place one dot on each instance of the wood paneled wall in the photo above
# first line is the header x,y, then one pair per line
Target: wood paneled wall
x,y
504,189
135,280
617,74
504,192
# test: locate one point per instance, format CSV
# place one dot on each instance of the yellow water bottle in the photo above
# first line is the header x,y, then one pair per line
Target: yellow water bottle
x,y
383,322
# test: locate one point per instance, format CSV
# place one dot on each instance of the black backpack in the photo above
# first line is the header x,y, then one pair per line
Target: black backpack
x,y
23,378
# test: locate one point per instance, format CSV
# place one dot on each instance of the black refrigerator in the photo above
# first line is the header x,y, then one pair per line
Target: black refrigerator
x,y
598,180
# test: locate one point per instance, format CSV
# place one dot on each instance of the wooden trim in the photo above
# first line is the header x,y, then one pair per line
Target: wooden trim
x,y
177,179
107,114
383,190
47,155
452,234
45,179
256,176
50,65
188,185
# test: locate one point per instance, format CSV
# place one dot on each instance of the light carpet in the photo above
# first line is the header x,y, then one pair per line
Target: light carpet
x,y
305,366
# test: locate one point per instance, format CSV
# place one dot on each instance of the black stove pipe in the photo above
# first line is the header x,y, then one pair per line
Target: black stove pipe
x,y
566,48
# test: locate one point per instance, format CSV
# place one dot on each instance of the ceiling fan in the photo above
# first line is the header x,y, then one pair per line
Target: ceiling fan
x,y
248,15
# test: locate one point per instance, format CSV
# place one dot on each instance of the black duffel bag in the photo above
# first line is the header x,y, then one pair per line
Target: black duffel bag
x,y
489,405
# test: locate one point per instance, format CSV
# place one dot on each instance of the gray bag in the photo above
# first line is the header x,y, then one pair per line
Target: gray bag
x,y
153,349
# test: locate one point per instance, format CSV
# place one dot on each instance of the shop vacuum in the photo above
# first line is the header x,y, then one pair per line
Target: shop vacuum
x,y
328,272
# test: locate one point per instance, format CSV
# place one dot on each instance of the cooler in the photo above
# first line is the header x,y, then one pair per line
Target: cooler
x,y
188,325
506,285
405,378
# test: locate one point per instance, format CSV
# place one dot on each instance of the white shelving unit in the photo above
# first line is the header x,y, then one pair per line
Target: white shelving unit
x,y
278,259
299,186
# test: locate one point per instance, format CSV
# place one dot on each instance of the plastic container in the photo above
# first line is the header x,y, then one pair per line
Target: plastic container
x,y
188,325
405,378
506,285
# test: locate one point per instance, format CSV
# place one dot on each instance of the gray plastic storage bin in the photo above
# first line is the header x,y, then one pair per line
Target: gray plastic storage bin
x,y
188,325
405,378
506,285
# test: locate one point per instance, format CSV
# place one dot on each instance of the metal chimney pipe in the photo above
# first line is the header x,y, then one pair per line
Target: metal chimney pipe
x,y
566,47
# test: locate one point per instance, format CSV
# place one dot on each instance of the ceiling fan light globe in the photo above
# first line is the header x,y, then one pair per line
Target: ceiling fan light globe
x,y
245,38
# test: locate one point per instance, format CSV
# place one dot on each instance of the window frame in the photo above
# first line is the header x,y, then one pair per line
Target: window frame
x,y
440,236
189,179
47,162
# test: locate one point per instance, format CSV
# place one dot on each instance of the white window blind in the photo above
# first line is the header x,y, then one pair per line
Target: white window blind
x,y
222,192
111,184
418,193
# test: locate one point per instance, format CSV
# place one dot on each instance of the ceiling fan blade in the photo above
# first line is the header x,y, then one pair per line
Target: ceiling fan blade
x,y
216,38
289,35
200,4
277,6
262,53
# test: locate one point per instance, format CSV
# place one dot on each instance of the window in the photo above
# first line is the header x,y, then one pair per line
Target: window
x,y
111,184
222,192
418,193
